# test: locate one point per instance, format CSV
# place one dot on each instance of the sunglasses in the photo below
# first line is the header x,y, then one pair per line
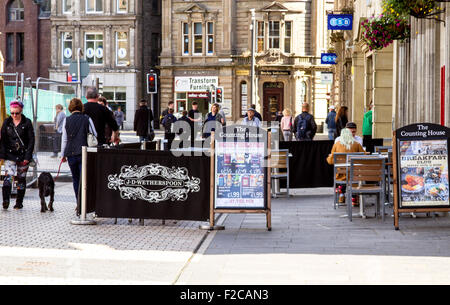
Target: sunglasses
x,y
15,113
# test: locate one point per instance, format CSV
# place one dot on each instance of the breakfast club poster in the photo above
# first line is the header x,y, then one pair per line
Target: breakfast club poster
x,y
240,175
424,173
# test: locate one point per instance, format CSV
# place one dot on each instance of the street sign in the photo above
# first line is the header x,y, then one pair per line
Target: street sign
x,y
328,59
326,78
84,69
342,22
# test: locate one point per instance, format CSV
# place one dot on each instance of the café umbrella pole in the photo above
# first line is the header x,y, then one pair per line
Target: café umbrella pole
x,y
83,219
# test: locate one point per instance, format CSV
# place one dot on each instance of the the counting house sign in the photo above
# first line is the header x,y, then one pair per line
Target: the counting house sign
x,y
154,183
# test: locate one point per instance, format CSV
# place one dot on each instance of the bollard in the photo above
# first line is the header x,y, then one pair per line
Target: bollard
x,y
83,219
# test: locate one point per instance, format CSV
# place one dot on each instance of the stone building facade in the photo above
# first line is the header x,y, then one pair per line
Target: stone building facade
x,y
24,41
116,42
209,43
408,82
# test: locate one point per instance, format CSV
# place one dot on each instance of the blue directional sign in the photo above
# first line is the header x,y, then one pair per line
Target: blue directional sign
x,y
342,22
328,59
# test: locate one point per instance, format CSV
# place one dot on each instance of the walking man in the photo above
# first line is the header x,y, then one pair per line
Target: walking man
x,y
59,119
331,123
142,122
305,125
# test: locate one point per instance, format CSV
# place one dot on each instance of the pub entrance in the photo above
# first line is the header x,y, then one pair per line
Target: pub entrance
x,y
273,95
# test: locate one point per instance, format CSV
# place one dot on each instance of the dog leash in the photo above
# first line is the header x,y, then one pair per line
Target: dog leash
x,y
59,169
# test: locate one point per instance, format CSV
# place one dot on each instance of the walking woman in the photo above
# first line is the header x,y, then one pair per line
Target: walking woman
x,y
75,132
213,119
16,149
287,124
341,120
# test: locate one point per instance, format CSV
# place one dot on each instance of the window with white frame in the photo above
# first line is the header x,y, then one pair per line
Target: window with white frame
x,y
94,6
260,37
185,39
93,48
122,54
116,97
274,34
287,36
122,6
16,11
66,48
198,38
210,38
67,6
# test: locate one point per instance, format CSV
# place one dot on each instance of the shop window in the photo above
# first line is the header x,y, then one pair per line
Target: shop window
x,y
20,41
116,96
66,48
67,6
122,6
287,36
274,34
185,39
198,38
93,48
244,98
122,54
181,102
16,11
210,44
10,48
94,6
260,37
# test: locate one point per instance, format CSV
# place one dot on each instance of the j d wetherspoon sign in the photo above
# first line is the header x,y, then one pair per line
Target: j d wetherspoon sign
x,y
421,158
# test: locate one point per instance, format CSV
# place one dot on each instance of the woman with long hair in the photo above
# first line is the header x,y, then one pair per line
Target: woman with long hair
x,y
341,120
287,124
346,144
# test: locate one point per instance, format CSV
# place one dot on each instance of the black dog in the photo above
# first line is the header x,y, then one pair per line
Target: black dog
x,y
46,186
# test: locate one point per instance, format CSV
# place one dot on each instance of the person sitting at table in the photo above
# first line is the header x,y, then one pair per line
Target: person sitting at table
x,y
346,144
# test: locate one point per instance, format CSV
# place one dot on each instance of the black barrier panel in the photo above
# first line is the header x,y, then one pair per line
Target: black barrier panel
x,y
308,167
150,185
149,146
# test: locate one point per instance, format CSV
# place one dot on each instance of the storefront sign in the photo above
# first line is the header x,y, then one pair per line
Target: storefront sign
x,y
326,78
150,184
242,72
269,72
338,22
423,162
203,95
240,181
328,59
195,84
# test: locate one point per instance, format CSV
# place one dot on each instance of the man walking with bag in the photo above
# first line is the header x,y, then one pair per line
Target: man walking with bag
x,y
305,125
143,122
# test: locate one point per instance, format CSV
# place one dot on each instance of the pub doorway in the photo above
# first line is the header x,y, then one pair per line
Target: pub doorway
x,y
273,97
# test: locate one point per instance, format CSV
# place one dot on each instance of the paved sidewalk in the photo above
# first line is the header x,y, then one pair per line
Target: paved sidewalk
x,y
310,244
45,248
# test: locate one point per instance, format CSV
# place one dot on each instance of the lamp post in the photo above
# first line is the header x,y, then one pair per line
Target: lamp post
x,y
253,87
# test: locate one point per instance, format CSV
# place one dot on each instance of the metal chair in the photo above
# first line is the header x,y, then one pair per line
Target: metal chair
x,y
279,159
383,149
362,171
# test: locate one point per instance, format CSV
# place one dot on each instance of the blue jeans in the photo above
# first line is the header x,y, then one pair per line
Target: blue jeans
x,y
75,168
143,139
331,133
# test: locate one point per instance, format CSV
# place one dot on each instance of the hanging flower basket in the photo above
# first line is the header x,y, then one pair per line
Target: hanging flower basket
x,y
416,8
380,32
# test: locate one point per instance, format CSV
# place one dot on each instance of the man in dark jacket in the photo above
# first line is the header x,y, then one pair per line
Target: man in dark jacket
x,y
331,123
142,121
305,126
101,117
167,122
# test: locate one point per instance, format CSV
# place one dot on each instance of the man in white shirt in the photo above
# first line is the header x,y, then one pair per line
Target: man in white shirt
x,y
353,128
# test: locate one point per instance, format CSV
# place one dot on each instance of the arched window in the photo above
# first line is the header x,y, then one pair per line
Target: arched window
x,y
16,10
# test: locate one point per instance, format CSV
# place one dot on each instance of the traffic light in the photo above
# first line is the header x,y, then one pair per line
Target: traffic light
x,y
152,83
219,95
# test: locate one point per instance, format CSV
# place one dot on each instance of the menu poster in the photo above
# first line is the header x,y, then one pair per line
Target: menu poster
x,y
240,175
423,173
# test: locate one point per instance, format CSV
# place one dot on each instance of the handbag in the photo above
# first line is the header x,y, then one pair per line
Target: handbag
x,y
31,162
91,139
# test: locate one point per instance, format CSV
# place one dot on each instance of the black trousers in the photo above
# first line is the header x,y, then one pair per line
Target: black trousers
x,y
169,137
